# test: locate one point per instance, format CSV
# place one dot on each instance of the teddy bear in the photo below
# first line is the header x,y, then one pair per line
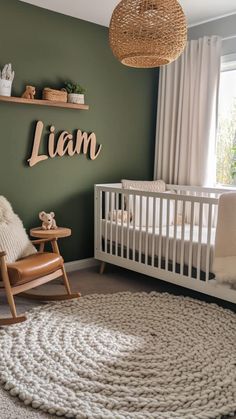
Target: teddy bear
x,y
29,92
49,223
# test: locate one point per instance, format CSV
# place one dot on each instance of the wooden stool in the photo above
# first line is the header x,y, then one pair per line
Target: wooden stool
x,y
58,233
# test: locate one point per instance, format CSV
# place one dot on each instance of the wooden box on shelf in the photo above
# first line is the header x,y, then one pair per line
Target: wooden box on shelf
x,y
54,95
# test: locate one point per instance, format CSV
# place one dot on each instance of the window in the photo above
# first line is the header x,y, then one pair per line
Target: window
x,y
226,134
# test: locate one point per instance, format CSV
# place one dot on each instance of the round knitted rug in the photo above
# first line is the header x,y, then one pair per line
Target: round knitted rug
x,y
124,356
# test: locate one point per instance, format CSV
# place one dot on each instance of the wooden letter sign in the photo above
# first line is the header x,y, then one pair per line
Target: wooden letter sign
x,y
83,143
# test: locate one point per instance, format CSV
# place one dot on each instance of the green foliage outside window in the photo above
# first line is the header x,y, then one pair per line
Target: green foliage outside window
x,y
226,148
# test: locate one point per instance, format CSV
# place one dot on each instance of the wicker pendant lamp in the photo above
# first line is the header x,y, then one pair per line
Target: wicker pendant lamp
x,y
147,33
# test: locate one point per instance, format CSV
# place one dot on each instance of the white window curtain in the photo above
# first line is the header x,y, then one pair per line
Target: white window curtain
x,y
187,115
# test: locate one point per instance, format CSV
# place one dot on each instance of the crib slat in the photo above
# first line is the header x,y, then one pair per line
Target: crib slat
x,y
99,203
140,228
134,225
199,242
192,210
117,208
107,194
111,219
215,215
128,225
153,231
146,233
209,229
182,239
167,234
122,224
160,233
175,234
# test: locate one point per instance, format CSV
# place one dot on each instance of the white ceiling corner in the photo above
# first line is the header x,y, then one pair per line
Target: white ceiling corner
x,y
100,11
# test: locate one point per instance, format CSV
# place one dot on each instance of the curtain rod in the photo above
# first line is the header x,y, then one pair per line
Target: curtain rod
x,y
229,37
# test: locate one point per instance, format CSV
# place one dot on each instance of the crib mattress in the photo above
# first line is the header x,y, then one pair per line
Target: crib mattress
x,y
141,240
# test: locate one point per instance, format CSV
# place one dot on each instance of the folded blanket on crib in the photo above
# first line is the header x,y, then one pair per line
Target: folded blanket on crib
x,y
224,264
144,185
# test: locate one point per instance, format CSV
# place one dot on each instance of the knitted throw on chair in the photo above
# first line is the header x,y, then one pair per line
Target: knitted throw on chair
x,y
13,237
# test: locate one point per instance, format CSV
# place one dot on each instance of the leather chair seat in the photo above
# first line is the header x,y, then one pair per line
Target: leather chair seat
x,y
33,267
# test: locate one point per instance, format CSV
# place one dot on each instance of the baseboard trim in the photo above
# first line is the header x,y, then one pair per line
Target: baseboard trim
x,y
76,265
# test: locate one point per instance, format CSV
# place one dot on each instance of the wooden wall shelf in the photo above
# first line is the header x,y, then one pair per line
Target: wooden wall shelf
x,y
66,105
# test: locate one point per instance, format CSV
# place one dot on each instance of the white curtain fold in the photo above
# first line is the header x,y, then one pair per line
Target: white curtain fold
x,y
187,115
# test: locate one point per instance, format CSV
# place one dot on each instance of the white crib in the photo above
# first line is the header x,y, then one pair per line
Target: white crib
x,y
167,235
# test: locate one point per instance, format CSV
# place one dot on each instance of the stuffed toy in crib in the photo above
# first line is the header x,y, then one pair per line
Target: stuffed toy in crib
x,y
117,215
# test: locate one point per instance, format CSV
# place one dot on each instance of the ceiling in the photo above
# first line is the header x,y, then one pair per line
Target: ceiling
x,y
100,11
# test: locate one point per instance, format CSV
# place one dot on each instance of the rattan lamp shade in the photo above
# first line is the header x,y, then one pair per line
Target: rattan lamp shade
x,y
148,33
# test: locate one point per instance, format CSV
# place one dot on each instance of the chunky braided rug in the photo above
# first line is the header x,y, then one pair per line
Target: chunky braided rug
x,y
124,356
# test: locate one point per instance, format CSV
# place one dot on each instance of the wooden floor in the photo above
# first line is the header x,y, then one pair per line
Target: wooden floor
x,y
114,279
87,282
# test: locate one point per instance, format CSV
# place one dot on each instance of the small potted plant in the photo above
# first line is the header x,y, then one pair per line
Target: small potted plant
x,y
75,93
6,79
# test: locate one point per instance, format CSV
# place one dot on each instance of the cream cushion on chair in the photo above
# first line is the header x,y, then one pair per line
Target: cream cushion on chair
x,y
13,238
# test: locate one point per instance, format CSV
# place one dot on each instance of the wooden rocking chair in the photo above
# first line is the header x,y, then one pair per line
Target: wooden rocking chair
x,y
32,271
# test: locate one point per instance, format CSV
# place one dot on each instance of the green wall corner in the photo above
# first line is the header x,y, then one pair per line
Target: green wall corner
x,y
46,49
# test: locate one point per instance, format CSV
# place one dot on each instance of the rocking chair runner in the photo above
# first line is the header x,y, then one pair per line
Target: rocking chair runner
x,y
32,271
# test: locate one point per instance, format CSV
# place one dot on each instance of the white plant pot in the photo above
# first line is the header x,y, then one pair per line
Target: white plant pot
x,y
5,87
76,98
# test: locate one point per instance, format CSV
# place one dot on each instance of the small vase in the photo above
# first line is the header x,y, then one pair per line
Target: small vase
x,y
5,87
76,98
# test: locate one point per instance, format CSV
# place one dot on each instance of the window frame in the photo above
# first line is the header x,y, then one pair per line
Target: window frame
x,y
228,63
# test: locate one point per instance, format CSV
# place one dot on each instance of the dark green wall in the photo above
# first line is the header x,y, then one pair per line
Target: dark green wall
x,y
45,49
